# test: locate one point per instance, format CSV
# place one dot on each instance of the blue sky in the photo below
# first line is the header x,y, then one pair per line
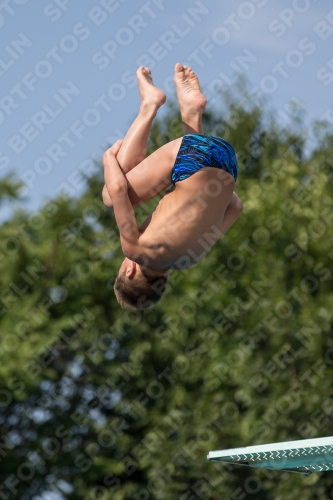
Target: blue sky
x,y
68,73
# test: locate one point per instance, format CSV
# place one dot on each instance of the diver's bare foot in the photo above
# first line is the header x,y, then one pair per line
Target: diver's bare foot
x,y
190,98
151,96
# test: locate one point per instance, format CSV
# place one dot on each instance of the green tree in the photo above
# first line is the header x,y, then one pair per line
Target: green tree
x,y
98,402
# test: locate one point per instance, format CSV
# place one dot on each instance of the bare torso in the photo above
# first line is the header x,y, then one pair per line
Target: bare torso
x,y
187,220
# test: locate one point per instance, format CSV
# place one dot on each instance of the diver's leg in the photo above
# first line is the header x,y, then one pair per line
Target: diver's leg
x,y
153,174
191,101
134,147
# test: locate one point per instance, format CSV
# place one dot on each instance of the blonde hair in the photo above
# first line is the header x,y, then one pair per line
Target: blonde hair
x,y
139,292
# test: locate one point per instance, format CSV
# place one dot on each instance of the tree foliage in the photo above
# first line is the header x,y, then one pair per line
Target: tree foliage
x,y
102,403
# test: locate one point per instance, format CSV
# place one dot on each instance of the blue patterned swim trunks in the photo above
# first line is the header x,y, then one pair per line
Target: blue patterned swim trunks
x,y
199,151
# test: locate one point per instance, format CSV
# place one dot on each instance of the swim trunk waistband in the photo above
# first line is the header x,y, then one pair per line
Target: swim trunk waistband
x,y
198,151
